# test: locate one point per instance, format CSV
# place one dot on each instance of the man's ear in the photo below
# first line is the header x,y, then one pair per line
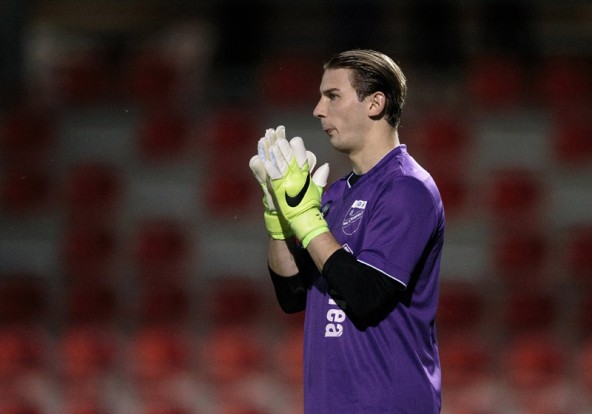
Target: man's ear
x,y
377,104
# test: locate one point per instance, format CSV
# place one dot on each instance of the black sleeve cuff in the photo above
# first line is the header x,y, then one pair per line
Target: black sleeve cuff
x,y
290,291
363,292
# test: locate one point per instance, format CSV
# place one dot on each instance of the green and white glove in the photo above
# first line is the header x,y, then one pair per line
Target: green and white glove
x,y
276,224
297,194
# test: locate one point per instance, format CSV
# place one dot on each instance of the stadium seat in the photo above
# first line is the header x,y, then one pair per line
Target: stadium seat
x,y
231,127
461,306
564,83
455,193
290,80
24,299
22,350
583,315
84,406
519,257
162,135
287,356
571,140
16,406
91,303
26,135
166,408
85,79
529,311
91,192
164,303
225,196
514,196
85,353
231,354
234,300
25,191
444,141
577,253
88,252
465,360
496,82
534,361
154,354
583,364
535,371
160,248
150,80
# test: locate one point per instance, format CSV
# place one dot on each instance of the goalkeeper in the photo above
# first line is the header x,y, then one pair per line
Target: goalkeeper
x,y
363,258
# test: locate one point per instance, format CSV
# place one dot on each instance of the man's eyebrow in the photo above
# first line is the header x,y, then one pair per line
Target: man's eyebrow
x,y
330,90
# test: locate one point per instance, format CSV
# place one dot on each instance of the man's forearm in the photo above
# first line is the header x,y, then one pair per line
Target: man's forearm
x,y
281,258
321,248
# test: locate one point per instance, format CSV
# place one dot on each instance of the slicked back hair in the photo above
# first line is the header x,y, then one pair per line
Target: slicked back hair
x,y
371,72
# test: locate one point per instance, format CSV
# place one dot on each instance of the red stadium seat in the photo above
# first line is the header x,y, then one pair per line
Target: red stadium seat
x,y
455,193
88,252
24,299
151,80
564,83
164,303
231,135
91,192
156,353
572,140
577,253
519,257
460,307
232,354
465,359
84,407
444,141
496,82
25,191
583,315
26,136
22,350
86,353
225,195
514,196
287,356
583,364
91,303
535,370
162,135
290,80
534,361
160,248
16,406
166,408
85,79
529,311
234,300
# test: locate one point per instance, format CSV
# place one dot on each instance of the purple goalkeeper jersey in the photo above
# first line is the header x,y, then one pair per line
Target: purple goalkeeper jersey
x,y
392,219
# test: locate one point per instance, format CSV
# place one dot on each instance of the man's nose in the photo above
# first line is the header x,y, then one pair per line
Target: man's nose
x,y
319,110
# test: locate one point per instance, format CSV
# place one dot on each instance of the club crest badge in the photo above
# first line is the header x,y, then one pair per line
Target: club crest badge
x,y
353,217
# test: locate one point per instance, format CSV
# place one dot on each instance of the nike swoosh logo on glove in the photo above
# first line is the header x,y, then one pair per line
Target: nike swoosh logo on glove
x,y
294,201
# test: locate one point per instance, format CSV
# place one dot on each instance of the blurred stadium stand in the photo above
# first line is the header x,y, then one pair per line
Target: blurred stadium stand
x,y
132,250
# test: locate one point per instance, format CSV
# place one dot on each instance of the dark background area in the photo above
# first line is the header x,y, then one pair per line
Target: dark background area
x,y
132,250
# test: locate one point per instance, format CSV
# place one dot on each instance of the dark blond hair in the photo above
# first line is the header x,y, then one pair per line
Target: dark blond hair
x,y
371,72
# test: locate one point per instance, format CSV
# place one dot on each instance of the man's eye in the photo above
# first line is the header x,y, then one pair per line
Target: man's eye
x,y
332,96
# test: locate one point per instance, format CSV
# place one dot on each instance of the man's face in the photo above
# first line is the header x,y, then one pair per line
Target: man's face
x,y
343,117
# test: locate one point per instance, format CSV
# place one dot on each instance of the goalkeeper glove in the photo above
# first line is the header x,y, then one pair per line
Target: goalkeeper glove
x,y
277,226
297,194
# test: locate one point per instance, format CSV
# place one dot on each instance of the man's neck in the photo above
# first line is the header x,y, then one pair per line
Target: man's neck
x,y
374,150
